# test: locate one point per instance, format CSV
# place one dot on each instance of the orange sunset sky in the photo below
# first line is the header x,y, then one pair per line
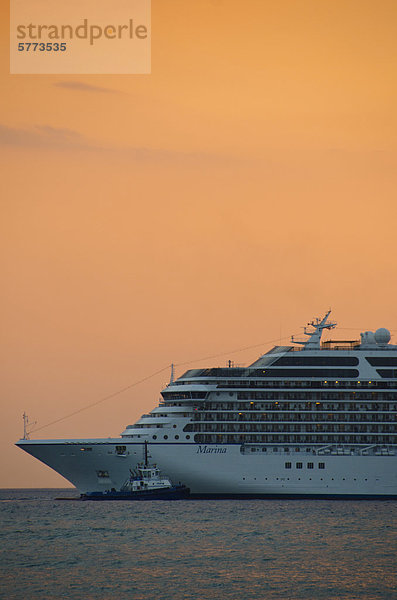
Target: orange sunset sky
x,y
244,187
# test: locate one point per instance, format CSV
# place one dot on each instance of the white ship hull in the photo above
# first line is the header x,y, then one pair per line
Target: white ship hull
x,y
221,471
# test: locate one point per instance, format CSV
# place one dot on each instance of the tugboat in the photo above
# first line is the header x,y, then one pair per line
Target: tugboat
x,y
144,483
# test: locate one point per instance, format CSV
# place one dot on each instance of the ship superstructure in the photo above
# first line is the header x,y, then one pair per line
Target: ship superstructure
x,y
310,419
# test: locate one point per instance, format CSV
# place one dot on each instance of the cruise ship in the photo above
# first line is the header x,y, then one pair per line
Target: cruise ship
x,y
310,420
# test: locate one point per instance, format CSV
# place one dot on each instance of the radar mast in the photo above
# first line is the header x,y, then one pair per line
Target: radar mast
x,y
313,343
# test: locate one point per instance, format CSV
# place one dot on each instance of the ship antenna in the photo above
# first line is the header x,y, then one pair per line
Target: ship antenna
x,y
26,423
172,373
145,453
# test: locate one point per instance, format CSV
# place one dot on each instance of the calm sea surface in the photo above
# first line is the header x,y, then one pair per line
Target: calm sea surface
x,y
226,549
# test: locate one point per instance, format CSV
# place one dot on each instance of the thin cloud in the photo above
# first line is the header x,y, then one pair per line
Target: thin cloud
x,y
63,139
59,132
84,87
43,136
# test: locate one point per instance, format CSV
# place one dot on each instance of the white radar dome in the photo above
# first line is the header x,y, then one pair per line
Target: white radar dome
x,y
368,338
382,336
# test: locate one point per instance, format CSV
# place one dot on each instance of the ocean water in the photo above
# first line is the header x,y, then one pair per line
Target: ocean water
x,y
196,549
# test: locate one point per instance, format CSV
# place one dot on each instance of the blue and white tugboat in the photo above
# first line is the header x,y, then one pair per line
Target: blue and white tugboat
x,y
145,483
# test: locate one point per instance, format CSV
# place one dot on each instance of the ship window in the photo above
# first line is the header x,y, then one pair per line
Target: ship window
x,y
316,361
102,474
321,465
299,465
166,437
324,373
188,437
154,437
385,361
177,437
310,465
387,373
120,450
176,396
287,465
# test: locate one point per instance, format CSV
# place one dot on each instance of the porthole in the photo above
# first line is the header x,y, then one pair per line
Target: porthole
x,y
188,437
174,426
166,437
177,437
155,437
